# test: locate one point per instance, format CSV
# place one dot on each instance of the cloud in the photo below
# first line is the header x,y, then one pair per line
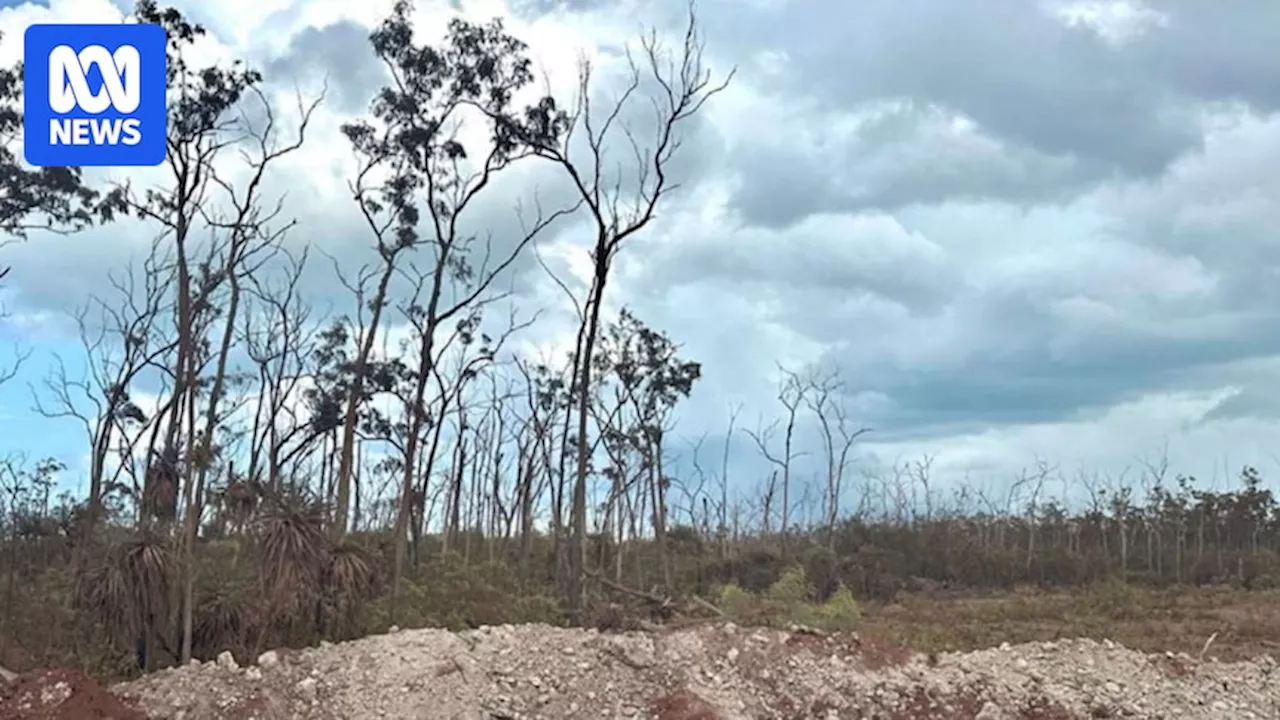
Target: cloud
x,y
340,54
1023,230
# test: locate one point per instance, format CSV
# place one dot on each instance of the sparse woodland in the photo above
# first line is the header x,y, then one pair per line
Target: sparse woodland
x,y
244,512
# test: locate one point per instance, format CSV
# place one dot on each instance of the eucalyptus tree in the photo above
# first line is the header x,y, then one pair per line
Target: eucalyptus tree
x,y
617,157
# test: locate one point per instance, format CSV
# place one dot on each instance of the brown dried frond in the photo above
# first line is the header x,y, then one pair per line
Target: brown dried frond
x,y
240,499
103,592
241,492
350,575
149,564
160,491
224,620
294,551
129,590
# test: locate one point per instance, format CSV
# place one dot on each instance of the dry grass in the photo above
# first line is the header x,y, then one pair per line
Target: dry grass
x,y
1247,624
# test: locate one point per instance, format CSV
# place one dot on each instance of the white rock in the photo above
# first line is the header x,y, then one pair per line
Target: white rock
x,y
307,687
227,660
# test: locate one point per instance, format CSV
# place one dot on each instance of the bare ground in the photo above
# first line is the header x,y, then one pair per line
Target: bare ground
x,y
704,673
720,671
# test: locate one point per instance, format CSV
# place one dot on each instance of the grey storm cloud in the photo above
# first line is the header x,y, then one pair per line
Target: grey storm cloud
x,y
911,154
1055,108
1027,78
340,53
987,217
1216,52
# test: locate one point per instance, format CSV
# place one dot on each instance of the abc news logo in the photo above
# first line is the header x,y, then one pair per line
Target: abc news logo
x,y
94,95
69,88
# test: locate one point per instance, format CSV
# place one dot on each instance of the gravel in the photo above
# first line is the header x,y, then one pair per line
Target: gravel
x,y
706,672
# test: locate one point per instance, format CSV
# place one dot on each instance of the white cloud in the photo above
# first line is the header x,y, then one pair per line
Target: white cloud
x,y
1116,21
946,281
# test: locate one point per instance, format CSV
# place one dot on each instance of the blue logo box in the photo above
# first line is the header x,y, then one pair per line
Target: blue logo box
x,y
94,95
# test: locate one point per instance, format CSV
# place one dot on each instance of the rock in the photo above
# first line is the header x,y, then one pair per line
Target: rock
x,y
991,711
636,652
307,687
537,671
227,661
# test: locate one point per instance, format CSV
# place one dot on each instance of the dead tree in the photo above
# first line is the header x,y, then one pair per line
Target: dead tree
x,y
278,334
203,122
121,340
791,394
838,436
620,203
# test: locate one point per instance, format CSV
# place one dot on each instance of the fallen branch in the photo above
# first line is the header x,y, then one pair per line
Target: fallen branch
x,y
700,602
663,604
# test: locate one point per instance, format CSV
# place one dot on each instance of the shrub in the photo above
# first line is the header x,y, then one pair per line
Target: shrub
x,y
792,588
735,601
788,601
1115,599
841,611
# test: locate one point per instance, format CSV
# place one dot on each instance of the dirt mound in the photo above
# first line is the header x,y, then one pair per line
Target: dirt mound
x,y
61,695
717,672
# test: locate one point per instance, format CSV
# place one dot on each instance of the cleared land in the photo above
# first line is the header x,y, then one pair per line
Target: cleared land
x,y
1193,653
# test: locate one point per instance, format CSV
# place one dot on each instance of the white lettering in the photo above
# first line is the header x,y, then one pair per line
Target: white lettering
x,y
95,131
132,131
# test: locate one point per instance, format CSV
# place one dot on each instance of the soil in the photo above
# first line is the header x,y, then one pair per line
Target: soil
x,y
61,695
707,672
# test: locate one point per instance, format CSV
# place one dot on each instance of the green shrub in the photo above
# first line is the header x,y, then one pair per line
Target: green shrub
x,y
841,611
792,588
1115,599
735,602
788,602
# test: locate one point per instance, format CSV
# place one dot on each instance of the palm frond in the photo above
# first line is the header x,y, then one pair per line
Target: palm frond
x,y
294,551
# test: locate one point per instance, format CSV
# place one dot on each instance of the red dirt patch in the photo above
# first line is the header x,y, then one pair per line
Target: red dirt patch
x,y
684,705
61,695
877,653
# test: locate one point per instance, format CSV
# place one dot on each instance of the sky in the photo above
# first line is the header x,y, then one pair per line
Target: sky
x,y
1025,232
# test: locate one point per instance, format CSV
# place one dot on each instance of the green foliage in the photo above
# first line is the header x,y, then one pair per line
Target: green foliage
x,y
452,594
791,589
841,611
735,601
789,601
1115,599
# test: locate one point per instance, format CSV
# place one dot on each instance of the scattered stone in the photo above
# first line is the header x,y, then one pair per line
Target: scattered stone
x,y
227,661
709,672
